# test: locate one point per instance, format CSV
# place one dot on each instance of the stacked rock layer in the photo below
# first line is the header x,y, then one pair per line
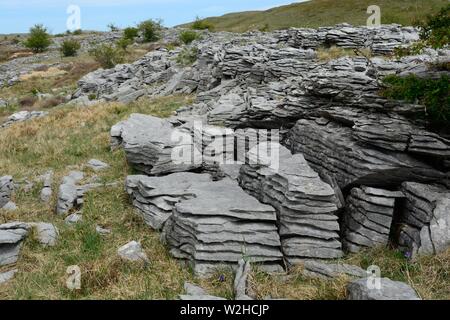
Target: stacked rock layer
x,y
305,204
368,218
208,223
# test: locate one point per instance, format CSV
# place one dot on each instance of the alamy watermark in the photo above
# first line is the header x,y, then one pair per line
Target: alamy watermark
x,y
73,281
73,22
374,19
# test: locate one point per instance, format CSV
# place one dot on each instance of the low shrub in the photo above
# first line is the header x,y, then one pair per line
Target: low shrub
x,y
188,36
130,33
432,93
123,43
150,30
39,39
435,30
187,56
112,27
108,55
69,48
200,24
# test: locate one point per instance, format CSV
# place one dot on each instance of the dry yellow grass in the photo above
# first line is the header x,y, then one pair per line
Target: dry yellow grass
x,y
332,53
49,73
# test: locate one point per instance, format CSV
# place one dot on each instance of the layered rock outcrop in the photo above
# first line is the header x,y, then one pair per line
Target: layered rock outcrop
x,y
306,206
349,149
424,226
331,149
368,218
207,223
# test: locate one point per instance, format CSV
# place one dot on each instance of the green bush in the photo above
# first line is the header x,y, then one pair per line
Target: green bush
x,y
69,48
123,43
77,32
151,30
130,33
436,29
414,49
433,93
112,27
39,39
187,56
188,36
108,55
200,24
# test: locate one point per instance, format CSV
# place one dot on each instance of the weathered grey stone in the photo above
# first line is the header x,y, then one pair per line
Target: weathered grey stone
x,y
154,197
240,281
22,116
316,269
331,149
215,223
68,193
47,234
11,237
6,189
102,231
306,205
7,276
390,131
150,142
389,290
97,165
46,194
132,251
368,218
74,218
194,292
10,206
425,222
208,223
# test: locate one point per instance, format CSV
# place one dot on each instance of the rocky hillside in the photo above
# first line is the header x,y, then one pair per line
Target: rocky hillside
x,y
319,13
160,164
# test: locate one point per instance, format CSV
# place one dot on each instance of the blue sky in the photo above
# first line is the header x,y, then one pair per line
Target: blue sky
x,y
18,15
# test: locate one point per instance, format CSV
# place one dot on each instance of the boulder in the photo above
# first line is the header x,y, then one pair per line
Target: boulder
x,y
11,237
47,234
150,142
388,290
133,252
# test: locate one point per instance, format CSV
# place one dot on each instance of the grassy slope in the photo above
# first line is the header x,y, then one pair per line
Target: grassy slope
x,y
317,13
67,139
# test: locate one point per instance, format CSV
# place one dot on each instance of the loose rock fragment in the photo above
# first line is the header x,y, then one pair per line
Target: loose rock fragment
x,y
11,237
132,251
388,290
